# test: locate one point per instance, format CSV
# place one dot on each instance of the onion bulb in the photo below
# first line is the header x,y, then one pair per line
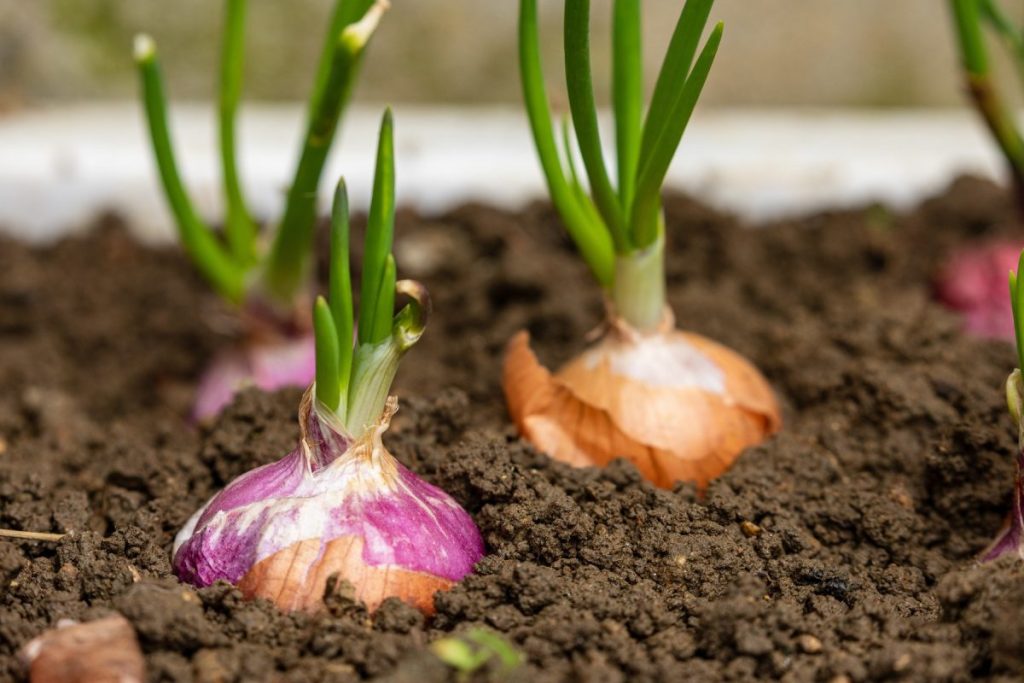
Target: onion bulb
x,y
333,506
340,504
675,404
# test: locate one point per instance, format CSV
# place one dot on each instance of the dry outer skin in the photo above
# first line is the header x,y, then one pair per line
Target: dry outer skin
x,y
841,550
101,651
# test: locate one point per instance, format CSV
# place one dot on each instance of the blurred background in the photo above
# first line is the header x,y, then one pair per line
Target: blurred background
x,y
810,104
862,53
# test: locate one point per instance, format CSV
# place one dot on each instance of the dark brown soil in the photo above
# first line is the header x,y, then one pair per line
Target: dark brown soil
x,y
842,550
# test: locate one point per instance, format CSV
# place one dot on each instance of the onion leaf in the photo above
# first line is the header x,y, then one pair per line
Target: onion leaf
x,y
205,250
328,388
380,229
627,94
340,286
287,262
675,68
239,226
1017,304
592,238
584,116
654,164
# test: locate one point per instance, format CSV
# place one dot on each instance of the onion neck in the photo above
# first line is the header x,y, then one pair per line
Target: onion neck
x,y
374,369
638,292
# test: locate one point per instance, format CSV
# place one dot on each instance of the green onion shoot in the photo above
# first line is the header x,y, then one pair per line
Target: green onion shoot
x,y
339,504
678,406
266,273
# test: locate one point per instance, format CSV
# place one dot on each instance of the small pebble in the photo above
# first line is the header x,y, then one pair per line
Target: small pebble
x,y
208,668
900,496
901,663
809,644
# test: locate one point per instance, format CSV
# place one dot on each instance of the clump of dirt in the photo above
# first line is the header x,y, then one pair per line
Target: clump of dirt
x,y
840,550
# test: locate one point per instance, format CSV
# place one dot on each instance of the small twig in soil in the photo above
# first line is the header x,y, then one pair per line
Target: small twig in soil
x,y
31,535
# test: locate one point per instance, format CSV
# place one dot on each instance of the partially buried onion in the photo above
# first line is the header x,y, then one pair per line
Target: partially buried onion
x,y
330,507
679,406
676,405
340,504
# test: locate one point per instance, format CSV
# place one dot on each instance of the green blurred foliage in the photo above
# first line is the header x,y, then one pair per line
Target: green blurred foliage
x,y
775,52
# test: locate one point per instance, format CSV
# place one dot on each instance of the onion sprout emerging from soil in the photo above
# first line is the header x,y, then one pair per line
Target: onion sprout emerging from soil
x,y
472,652
267,275
679,406
971,282
340,504
1010,540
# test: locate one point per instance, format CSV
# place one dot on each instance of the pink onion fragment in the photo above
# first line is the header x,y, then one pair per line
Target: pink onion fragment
x,y
289,363
973,283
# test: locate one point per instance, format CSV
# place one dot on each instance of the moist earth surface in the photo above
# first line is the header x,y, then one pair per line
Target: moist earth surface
x,y
842,549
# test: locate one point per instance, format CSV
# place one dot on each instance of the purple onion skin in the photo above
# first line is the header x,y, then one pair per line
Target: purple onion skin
x,y
973,283
1009,540
290,363
327,488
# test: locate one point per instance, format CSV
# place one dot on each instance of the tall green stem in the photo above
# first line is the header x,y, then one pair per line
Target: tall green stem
x,y
380,231
328,375
584,116
288,261
340,291
240,228
591,236
226,276
967,16
627,94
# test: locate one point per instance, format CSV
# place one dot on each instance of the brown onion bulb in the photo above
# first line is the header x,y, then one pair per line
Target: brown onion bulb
x,y
675,404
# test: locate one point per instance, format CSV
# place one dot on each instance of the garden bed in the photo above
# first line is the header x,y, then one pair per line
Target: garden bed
x,y
843,547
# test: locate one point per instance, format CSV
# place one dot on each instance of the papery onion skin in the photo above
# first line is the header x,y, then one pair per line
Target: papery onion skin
x,y
973,283
267,366
330,507
678,406
101,651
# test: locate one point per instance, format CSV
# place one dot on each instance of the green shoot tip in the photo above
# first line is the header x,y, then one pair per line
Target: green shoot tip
x,y
143,47
356,35
328,382
412,319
